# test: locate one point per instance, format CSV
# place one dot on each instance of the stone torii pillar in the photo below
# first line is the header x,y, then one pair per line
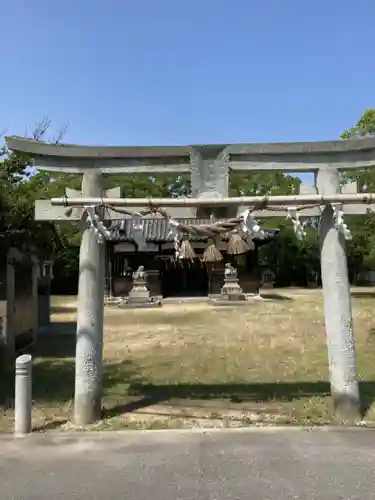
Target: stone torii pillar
x,y
89,345
337,305
90,312
90,308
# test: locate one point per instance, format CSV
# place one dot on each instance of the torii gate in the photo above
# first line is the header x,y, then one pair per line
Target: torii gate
x,y
209,166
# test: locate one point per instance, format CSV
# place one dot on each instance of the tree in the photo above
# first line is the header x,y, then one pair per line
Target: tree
x,y
18,188
361,250
365,127
263,183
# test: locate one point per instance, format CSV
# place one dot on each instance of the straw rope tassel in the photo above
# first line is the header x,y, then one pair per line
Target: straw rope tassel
x,y
186,250
237,245
212,253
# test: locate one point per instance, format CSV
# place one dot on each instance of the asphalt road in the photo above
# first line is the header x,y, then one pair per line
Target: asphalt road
x,y
171,465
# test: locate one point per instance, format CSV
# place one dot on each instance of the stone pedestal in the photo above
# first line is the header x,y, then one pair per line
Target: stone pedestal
x,y
231,292
268,279
139,293
231,289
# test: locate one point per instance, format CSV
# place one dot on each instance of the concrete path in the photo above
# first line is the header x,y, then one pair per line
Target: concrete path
x,y
269,464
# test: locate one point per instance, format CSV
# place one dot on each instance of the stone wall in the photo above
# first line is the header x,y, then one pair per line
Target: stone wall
x,y
19,301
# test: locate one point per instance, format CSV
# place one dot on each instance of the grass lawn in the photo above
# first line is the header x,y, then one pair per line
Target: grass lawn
x,y
194,364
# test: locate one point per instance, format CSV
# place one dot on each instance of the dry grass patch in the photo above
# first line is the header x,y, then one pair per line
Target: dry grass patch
x,y
194,364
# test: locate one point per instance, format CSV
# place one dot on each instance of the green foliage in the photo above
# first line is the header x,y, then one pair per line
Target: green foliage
x,y
262,183
140,185
365,126
18,191
361,250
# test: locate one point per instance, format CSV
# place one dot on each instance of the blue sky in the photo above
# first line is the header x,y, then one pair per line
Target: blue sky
x,y
184,72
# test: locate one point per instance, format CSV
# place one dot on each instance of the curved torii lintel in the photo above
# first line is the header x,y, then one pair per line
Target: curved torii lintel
x,y
291,156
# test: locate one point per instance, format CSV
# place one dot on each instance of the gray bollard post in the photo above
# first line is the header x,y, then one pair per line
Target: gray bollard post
x,y
23,395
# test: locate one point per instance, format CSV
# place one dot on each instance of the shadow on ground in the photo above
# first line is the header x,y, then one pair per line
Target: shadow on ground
x,y
275,296
53,370
58,342
63,310
363,294
127,391
53,375
150,394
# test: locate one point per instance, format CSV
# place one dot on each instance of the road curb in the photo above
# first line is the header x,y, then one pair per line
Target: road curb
x,y
83,434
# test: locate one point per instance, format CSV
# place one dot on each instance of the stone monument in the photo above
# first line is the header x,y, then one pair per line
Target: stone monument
x,y
268,279
139,295
231,291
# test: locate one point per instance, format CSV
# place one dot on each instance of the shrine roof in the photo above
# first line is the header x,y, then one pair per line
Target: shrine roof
x,y
157,230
